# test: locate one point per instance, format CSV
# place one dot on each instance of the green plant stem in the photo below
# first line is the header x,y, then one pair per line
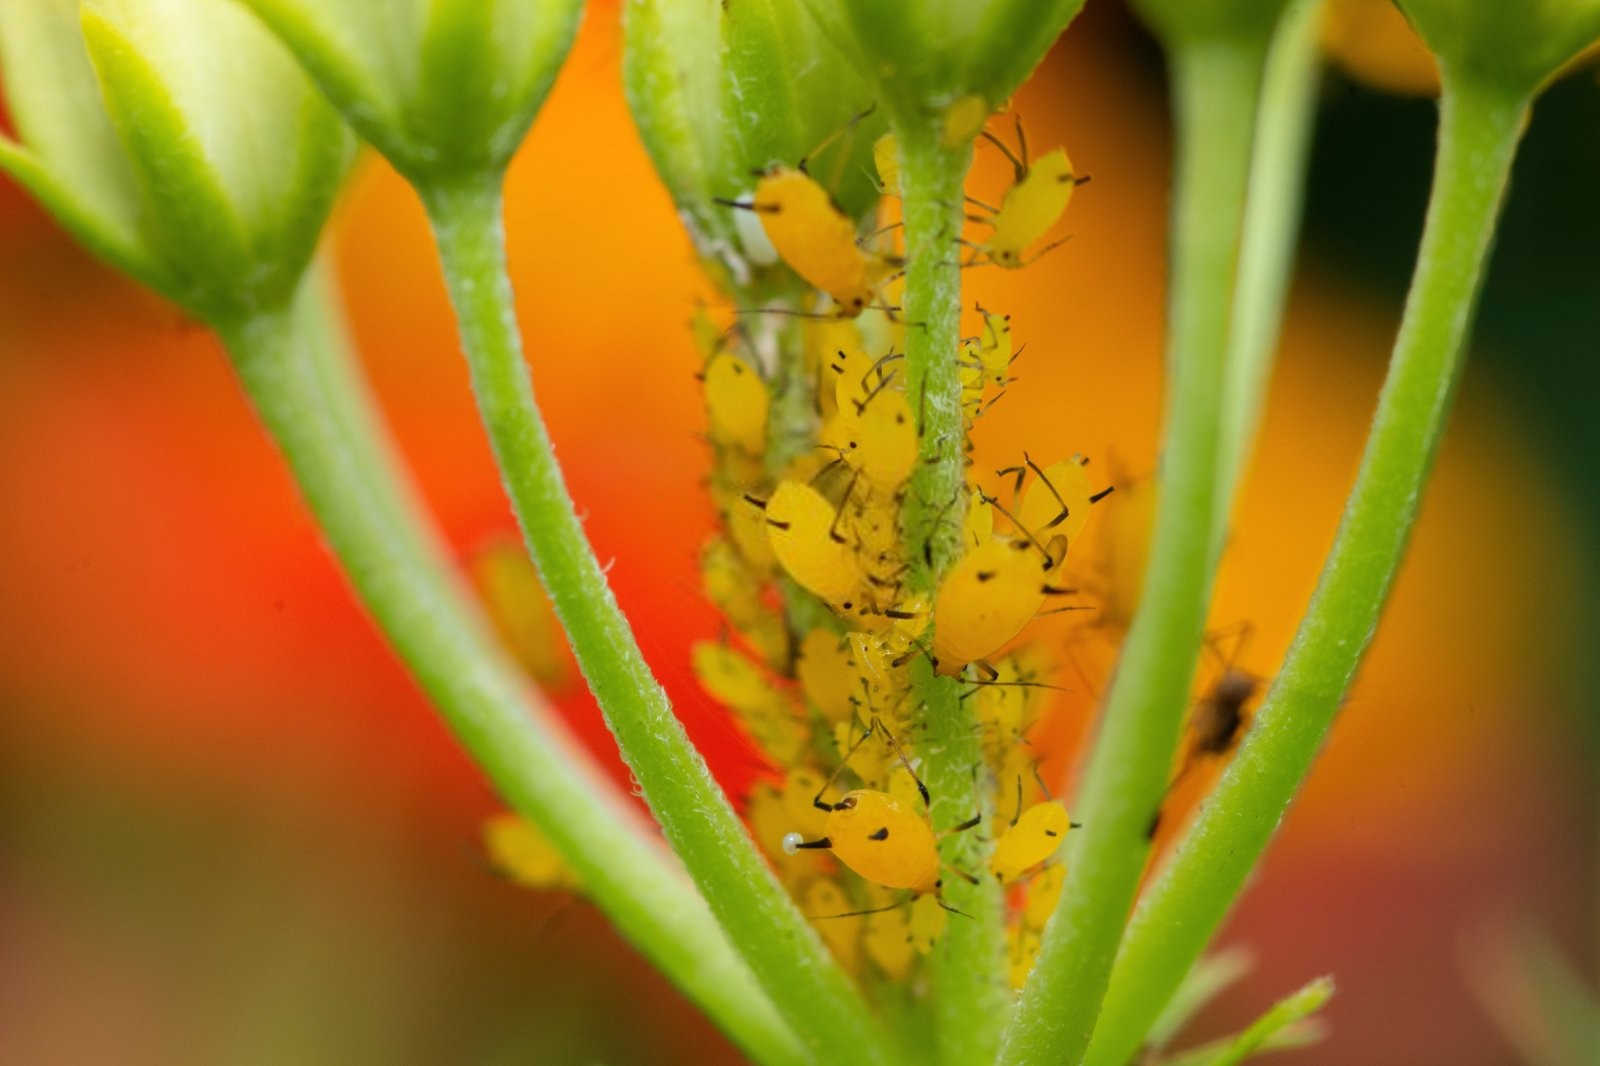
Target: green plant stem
x,y
800,977
1215,86
1478,134
969,992
1267,240
298,374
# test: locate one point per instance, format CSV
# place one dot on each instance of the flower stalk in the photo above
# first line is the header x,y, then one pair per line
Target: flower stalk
x,y
1480,124
1215,86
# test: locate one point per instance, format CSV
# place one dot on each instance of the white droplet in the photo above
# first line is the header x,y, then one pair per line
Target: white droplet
x,y
792,842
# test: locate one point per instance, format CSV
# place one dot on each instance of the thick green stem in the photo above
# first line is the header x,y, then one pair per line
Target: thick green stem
x,y
1215,85
798,974
294,366
1478,134
1267,241
969,991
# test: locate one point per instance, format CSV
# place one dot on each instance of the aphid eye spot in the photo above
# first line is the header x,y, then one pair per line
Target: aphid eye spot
x,y
880,834
985,575
845,804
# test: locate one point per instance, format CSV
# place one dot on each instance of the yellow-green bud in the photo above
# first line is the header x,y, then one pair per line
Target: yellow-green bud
x,y
447,89
1515,45
177,139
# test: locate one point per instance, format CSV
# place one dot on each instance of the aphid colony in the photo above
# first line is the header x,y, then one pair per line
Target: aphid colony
x,y
810,568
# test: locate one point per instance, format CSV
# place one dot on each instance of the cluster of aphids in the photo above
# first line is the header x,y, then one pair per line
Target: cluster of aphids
x,y
810,571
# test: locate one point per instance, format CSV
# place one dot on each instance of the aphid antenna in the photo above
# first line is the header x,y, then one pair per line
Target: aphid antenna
x,y
997,505
748,205
830,138
973,200
899,753
1102,494
838,512
817,801
858,914
861,242
1061,516
1042,252
883,383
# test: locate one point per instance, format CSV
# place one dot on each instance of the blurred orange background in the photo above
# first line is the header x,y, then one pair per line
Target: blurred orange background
x,y
231,830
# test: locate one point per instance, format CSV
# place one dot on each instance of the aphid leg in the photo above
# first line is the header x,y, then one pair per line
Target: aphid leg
x,y
997,505
899,753
1017,165
817,801
869,910
1042,252
974,201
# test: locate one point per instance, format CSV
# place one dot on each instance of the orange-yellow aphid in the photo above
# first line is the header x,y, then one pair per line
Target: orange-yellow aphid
x,y
1030,840
736,403
521,612
887,941
802,529
816,239
987,597
886,160
524,855
884,840
963,120
1044,891
827,674
1036,200
824,899
1058,500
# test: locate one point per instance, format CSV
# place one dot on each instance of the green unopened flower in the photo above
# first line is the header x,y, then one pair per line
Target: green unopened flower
x,y
1511,45
445,90
177,139
928,57
721,93
1186,20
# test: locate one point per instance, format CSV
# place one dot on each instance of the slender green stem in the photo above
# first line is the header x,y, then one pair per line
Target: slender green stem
x,y
1215,85
788,959
298,374
970,997
1478,134
1267,241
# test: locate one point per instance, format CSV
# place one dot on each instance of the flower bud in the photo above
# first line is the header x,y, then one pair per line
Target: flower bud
x,y
927,57
1512,46
177,139
721,93
445,90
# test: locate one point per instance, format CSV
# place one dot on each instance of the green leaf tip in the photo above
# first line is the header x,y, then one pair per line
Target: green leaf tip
x,y
1513,46
176,139
446,90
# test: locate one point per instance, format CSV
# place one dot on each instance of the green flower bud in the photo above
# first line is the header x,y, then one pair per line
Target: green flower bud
x,y
926,57
177,139
1515,45
722,92
446,89
1194,20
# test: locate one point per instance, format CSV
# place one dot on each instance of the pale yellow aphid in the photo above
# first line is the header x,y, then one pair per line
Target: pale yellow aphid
x,y
1044,891
769,823
524,854
1036,201
520,611
800,786
816,239
1030,840
886,160
1058,500
887,941
877,438
731,678
987,597
823,899
963,120
735,589
827,674
926,923
737,402
801,527
747,528
1022,951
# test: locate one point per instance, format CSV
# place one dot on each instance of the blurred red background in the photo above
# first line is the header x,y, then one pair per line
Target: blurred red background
x,y
233,832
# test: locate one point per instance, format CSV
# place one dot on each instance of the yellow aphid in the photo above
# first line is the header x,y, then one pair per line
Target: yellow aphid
x,y
816,239
1022,951
827,674
1124,545
883,840
886,160
831,342
870,765
1030,207
858,376
736,403
769,823
963,120
1031,840
1004,707
523,854
878,439
887,941
993,347
728,583
1044,891
978,526
986,599
801,527
825,900
521,611
1058,501
800,787
708,336
903,787
926,924
747,528
731,678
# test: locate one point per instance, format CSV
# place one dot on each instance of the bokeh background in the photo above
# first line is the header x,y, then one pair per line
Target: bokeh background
x,y
232,832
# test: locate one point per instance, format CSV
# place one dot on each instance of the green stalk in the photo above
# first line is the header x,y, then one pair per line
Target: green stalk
x,y
298,374
1267,241
1215,87
800,977
969,988
1478,134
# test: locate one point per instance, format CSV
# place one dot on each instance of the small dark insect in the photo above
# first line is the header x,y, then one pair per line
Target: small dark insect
x,y
1217,717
